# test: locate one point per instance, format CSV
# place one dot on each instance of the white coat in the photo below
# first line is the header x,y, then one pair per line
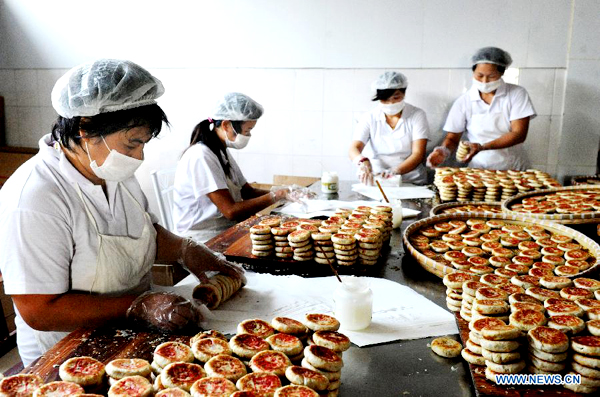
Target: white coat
x,y
59,233
392,146
198,174
484,123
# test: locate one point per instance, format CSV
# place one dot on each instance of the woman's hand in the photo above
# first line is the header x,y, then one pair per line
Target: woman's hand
x,y
365,172
474,148
438,156
293,193
197,258
163,311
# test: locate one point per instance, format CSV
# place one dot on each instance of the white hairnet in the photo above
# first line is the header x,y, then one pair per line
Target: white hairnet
x,y
105,85
235,106
389,81
494,55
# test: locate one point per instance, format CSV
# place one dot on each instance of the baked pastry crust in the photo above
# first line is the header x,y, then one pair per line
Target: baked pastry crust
x,y
85,371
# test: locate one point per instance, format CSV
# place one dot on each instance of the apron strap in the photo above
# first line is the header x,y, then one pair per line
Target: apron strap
x,y
89,213
142,209
131,196
87,210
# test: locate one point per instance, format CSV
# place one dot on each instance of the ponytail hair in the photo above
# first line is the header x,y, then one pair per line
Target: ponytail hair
x,y
205,133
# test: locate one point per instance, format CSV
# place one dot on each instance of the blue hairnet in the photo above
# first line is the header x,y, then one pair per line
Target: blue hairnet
x,y
105,85
389,81
235,106
494,55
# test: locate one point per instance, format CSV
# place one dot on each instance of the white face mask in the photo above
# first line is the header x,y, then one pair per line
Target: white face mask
x,y
392,108
116,167
240,141
487,87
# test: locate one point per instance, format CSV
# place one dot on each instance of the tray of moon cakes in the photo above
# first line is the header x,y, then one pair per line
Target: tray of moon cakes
x,y
284,357
474,184
536,344
526,325
585,180
567,205
354,241
533,323
469,206
484,243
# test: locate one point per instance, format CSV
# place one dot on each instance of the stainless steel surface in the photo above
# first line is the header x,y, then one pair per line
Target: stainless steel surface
x,y
406,367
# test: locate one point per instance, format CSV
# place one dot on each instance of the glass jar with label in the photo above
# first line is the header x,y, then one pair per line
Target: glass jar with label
x,y
329,182
353,303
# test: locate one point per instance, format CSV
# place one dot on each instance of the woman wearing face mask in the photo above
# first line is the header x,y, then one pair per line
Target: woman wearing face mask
x,y
494,114
210,191
77,242
398,133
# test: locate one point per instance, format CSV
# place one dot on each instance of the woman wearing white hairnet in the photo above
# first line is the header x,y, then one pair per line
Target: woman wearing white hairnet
x,y
398,132
495,116
210,192
77,242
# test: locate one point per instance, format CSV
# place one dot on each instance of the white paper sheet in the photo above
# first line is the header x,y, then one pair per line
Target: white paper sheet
x,y
316,208
399,313
403,192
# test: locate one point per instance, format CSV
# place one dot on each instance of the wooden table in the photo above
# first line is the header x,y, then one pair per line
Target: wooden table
x,y
103,344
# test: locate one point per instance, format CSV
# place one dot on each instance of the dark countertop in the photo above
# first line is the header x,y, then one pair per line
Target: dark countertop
x,y
407,367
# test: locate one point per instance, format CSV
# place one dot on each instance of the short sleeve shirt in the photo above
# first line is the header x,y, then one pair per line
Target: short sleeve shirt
x,y
392,146
199,173
510,100
47,243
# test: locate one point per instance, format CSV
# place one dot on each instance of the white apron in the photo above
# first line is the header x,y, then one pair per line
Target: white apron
x,y
123,266
487,127
209,228
396,148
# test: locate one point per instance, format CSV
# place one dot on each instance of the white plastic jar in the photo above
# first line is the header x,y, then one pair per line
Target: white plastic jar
x,y
329,182
353,303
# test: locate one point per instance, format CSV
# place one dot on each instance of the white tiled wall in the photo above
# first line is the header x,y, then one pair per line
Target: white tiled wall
x,y
579,142
283,34
311,63
309,113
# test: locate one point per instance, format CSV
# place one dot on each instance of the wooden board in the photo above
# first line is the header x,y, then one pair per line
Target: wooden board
x,y
236,245
485,388
103,344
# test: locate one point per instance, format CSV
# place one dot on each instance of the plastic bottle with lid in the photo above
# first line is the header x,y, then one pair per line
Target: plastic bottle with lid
x,y
353,303
329,182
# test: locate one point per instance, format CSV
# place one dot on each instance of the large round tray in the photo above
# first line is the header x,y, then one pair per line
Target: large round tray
x,y
567,219
585,180
439,209
441,270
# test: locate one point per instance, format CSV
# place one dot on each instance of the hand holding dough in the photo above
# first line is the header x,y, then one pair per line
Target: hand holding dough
x,y
164,311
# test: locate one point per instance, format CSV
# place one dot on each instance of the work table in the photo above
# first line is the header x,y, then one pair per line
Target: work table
x,y
401,368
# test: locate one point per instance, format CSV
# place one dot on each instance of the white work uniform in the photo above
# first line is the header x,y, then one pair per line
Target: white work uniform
x,y
392,146
59,233
484,123
198,174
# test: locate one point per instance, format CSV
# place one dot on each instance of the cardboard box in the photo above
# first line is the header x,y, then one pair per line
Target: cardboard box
x,y
167,275
8,310
294,180
9,162
6,301
10,323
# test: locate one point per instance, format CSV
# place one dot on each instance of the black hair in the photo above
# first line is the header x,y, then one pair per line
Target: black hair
x,y
205,134
501,69
384,95
66,130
